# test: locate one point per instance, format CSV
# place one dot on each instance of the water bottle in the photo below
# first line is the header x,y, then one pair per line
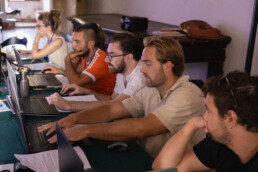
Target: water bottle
x,y
24,85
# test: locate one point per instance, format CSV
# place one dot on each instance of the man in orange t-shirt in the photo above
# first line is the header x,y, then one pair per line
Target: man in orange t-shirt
x,y
97,70
85,65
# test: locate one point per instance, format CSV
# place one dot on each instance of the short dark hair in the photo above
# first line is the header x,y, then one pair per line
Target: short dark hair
x,y
168,49
93,32
236,91
129,44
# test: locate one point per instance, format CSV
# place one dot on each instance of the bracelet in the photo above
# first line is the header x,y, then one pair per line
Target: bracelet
x,y
61,72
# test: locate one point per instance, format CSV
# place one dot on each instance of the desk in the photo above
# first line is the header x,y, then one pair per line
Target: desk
x,y
202,50
101,159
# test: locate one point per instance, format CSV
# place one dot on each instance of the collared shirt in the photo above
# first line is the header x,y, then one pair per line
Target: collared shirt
x,y
132,83
181,102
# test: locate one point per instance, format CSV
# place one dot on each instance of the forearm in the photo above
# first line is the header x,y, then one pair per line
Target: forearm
x,y
77,106
72,75
99,97
101,114
35,49
173,151
121,130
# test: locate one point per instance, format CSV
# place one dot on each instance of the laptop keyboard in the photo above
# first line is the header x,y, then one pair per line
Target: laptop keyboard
x,y
42,136
35,105
43,80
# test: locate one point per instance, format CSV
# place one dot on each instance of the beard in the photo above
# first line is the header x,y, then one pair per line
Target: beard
x,y
224,137
119,69
158,80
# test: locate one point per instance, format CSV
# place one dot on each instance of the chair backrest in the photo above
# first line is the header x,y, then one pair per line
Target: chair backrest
x,y
14,40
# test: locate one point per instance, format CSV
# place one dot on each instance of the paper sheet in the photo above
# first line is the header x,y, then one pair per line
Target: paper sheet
x,y
7,167
86,98
63,79
48,160
36,66
3,106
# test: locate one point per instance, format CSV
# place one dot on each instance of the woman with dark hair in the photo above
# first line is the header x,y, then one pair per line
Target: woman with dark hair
x,y
56,47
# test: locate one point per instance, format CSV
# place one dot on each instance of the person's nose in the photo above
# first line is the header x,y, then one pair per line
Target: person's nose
x,y
205,116
106,59
143,69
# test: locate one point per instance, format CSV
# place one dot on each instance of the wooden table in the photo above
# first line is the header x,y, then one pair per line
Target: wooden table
x,y
195,50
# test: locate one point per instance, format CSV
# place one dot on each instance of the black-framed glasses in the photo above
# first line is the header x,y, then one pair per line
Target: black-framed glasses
x,y
112,56
229,85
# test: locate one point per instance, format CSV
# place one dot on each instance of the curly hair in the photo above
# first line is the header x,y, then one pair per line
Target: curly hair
x,y
236,91
51,19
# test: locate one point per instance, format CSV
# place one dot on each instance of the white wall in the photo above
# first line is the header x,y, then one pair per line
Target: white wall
x,y
27,8
232,17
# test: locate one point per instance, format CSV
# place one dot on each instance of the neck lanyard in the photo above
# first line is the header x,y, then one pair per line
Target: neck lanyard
x,y
49,43
90,59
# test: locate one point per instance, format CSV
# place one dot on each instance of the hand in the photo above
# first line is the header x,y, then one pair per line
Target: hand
x,y
53,70
76,89
66,122
24,52
199,122
74,57
58,101
73,134
40,34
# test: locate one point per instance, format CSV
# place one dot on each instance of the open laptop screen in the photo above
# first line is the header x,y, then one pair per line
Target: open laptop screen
x,y
68,158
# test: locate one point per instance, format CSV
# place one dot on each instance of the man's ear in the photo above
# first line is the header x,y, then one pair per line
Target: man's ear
x,y
128,57
168,66
91,44
231,118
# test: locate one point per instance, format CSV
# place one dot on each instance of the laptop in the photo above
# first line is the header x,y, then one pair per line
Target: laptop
x,y
35,141
33,105
38,79
172,169
67,157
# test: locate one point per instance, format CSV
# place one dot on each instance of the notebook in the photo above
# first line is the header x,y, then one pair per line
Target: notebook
x,y
39,79
33,105
67,157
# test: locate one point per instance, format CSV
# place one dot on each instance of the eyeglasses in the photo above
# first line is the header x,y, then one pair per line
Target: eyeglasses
x,y
39,26
229,87
112,56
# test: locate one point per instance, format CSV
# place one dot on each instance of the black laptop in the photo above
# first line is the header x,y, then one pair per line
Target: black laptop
x,y
38,79
33,105
68,159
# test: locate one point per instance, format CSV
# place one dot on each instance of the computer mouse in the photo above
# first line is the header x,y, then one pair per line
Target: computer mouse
x,y
118,146
44,71
66,93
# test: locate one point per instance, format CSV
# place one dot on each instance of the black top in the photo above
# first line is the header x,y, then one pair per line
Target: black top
x,y
218,156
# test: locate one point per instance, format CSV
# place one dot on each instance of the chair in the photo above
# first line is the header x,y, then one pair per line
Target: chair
x,y
14,12
15,40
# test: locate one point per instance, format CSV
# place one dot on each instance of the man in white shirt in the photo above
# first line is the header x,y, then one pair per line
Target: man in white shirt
x,y
123,55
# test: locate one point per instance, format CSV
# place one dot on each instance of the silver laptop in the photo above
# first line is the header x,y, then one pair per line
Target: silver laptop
x,y
38,79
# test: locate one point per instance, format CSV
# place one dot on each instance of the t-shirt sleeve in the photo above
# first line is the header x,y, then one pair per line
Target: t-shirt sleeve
x,y
205,152
134,105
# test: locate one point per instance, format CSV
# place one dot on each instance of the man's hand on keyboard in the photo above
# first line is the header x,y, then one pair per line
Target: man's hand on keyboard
x,y
58,101
66,122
